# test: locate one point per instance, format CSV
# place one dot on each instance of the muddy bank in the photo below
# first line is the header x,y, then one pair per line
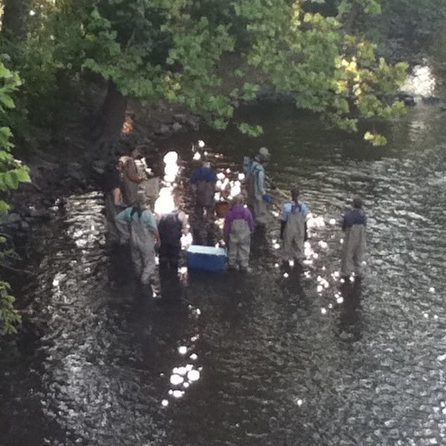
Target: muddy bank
x,y
77,169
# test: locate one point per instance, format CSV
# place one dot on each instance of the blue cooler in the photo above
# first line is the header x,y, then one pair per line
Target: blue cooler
x,y
206,258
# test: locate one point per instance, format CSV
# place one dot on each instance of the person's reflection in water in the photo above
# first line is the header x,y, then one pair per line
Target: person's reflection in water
x,y
350,317
169,288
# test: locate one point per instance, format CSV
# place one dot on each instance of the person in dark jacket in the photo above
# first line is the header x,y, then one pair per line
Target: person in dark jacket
x,y
203,182
354,226
171,227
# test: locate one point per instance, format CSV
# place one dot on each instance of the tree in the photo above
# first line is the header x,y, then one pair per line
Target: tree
x,y
210,56
15,19
12,173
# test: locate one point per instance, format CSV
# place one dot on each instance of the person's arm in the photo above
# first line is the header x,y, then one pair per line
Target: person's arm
x,y
250,219
261,181
344,223
117,196
283,218
122,221
183,219
195,176
227,227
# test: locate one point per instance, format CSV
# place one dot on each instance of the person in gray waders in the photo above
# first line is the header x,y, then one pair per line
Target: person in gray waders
x,y
293,229
239,225
138,224
130,179
203,182
354,226
258,199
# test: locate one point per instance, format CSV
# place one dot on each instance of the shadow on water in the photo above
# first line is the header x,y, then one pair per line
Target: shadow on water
x,y
350,312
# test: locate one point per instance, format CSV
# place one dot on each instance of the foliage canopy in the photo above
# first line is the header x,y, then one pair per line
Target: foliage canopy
x,y
211,55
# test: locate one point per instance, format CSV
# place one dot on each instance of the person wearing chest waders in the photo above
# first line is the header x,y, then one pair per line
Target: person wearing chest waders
x,y
239,225
113,204
130,179
203,182
138,224
293,230
150,184
354,226
171,227
258,198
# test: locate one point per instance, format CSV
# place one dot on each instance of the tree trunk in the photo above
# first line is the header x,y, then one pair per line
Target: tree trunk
x,y
111,117
15,19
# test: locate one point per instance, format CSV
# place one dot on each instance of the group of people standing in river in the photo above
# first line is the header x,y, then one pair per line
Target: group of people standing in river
x,y
133,217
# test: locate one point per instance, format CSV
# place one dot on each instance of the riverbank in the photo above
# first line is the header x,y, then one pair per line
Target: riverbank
x,y
75,168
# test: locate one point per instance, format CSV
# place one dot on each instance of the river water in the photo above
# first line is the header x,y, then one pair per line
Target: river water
x,y
277,357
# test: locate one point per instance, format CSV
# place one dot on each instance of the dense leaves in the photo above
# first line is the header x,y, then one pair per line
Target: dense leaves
x,y
12,173
211,56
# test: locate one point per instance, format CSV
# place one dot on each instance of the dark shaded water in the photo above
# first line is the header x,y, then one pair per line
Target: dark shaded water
x,y
273,358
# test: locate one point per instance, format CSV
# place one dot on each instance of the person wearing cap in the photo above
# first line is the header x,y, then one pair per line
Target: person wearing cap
x,y
239,225
258,198
130,178
354,226
203,181
137,224
293,229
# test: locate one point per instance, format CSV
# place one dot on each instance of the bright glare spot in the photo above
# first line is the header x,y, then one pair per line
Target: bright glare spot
x,y
431,290
276,246
323,244
320,288
241,176
164,403
276,265
193,356
421,82
299,402
197,156
291,263
178,393
186,241
323,310
332,221
286,275
176,379
182,350
339,300
201,143
32,13
193,375
426,315
186,385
